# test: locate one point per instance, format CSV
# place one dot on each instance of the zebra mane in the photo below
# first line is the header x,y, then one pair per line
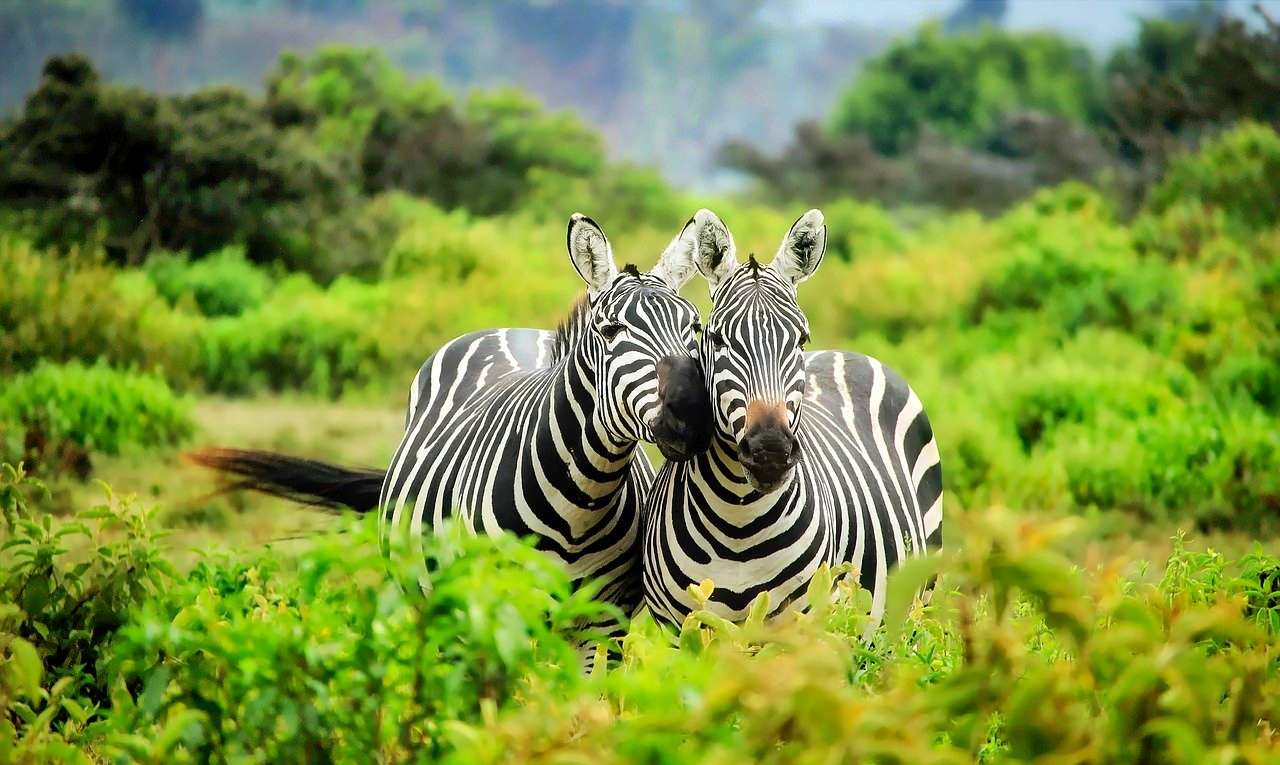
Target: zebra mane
x,y
569,326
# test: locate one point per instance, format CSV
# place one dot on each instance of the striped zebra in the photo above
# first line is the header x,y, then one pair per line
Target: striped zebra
x,y
537,432
817,457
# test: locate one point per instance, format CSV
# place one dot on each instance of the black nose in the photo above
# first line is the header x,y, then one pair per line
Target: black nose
x,y
769,445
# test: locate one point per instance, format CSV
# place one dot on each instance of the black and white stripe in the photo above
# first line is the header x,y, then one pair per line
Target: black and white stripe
x,y
536,433
844,465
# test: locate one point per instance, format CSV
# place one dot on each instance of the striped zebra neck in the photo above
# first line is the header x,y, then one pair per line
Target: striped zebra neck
x,y
571,433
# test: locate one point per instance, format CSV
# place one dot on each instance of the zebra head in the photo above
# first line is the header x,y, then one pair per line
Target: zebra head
x,y
753,349
643,339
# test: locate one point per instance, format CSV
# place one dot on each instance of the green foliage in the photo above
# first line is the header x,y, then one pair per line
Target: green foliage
x,y
1237,173
220,284
1074,269
65,590
961,85
339,660
59,309
186,172
1020,655
462,649
57,415
316,340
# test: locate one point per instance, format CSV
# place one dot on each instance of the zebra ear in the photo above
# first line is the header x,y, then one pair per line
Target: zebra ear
x,y
802,249
676,265
713,250
590,253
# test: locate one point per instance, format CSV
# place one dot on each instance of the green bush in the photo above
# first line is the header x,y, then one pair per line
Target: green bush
x,y
962,85
62,308
65,589
1214,467
340,661
444,244
855,229
320,341
336,655
55,408
1075,269
1237,172
221,284
1021,656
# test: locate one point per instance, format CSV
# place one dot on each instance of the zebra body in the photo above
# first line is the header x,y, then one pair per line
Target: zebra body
x,y
819,457
867,490
505,438
536,433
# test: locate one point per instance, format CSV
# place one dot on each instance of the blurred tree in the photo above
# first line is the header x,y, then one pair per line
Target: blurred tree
x,y
192,172
428,151
1182,79
818,165
961,86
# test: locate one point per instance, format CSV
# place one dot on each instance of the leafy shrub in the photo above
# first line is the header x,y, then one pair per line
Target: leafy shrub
x,y
1237,172
442,243
62,413
65,590
1020,655
304,338
221,284
1214,467
622,197
961,85
65,308
341,661
1076,269
855,228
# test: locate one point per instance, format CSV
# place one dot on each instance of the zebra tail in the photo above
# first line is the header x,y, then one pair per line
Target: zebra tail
x,y
298,479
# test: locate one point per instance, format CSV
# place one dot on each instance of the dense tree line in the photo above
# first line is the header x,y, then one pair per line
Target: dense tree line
x,y
981,118
283,174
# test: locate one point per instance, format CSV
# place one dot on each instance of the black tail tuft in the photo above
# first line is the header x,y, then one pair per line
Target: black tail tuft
x,y
295,478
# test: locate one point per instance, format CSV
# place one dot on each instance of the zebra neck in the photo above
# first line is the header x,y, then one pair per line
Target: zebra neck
x,y
585,466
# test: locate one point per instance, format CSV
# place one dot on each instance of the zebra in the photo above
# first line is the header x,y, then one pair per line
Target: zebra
x,y
536,432
817,457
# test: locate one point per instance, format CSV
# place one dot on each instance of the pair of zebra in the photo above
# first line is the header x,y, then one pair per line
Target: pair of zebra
x,y
778,459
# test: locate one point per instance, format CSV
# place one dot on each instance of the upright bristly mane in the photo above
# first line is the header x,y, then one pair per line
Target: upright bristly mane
x,y
570,326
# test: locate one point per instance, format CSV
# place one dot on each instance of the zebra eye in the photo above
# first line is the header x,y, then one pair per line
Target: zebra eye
x,y
610,331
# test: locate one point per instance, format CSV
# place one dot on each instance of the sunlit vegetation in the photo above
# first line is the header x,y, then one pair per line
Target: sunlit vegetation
x,y
1101,363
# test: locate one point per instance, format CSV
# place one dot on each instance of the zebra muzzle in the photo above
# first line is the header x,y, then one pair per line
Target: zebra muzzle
x,y
682,427
769,449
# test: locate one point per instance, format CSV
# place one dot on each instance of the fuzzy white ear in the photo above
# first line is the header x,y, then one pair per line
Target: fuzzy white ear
x,y
590,253
802,248
713,251
676,266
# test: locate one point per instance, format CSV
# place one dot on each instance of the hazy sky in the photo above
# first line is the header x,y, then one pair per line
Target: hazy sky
x,y
1100,23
